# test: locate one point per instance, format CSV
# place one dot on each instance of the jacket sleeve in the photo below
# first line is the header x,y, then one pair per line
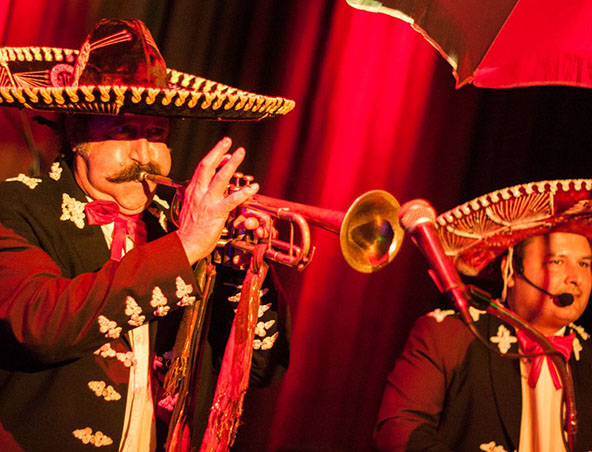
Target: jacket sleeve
x,y
46,318
415,393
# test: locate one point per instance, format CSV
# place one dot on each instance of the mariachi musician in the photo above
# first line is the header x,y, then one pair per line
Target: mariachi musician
x,y
451,391
94,279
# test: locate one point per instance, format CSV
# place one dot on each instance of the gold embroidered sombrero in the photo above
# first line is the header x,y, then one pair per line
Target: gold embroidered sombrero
x,y
120,70
477,232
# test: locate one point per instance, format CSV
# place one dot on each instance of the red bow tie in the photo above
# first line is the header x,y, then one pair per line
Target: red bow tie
x,y
562,344
104,212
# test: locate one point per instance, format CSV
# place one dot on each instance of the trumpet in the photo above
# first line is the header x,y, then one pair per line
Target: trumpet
x,y
370,234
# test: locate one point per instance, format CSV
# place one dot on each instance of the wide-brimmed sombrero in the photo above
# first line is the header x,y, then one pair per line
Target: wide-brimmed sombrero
x,y
475,233
119,70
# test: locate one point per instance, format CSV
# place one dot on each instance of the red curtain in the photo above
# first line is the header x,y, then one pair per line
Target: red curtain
x,y
360,130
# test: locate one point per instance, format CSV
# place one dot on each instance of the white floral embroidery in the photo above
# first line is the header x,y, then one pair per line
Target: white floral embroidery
x,y
128,359
168,403
161,311
101,389
99,439
186,301
577,348
109,327
236,297
183,291
262,327
183,288
266,343
581,331
105,351
440,315
263,309
55,171
162,219
475,313
133,311
30,182
161,202
73,210
158,302
504,339
492,447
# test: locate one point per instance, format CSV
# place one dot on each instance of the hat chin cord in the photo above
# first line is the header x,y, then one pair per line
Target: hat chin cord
x,y
508,273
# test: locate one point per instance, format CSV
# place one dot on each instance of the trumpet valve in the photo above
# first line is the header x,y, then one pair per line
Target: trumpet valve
x,y
235,186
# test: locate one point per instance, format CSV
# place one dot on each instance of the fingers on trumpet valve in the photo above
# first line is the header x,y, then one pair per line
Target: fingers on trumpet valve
x,y
260,223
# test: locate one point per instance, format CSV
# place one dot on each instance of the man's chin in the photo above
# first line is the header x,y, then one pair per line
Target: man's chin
x,y
134,208
572,312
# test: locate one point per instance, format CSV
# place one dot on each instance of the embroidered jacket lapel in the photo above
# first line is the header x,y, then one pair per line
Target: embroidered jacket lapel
x,y
506,383
89,242
157,224
89,250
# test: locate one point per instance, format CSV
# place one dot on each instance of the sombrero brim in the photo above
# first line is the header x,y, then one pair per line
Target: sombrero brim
x,y
26,75
477,232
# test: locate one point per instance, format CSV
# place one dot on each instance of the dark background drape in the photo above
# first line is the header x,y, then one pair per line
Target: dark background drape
x,y
375,108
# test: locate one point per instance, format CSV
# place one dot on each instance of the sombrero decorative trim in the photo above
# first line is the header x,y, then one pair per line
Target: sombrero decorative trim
x,y
477,232
55,79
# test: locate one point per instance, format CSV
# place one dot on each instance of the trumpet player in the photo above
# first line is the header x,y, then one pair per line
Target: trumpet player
x,y
93,277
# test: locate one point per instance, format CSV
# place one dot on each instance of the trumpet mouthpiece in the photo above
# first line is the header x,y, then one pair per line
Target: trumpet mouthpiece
x,y
162,180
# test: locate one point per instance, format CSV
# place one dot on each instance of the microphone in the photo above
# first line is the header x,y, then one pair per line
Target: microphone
x,y
418,218
563,299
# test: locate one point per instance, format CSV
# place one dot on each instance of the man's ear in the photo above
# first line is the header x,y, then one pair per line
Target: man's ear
x,y
507,275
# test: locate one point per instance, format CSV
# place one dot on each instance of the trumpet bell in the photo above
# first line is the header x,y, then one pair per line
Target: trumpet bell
x,y
371,235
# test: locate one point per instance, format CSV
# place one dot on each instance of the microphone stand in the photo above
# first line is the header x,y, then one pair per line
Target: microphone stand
x,y
483,300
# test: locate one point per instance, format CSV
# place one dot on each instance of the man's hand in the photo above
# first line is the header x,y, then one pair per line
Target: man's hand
x,y
259,225
205,203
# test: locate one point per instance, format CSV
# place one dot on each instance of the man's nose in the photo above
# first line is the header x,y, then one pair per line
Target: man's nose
x,y
140,151
574,274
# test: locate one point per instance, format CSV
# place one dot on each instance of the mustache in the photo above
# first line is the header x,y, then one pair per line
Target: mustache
x,y
132,172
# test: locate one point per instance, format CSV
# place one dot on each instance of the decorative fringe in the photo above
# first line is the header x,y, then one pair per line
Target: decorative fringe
x,y
234,375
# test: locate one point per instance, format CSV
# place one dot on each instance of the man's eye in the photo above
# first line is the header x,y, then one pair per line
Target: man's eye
x,y
555,262
156,134
585,264
126,132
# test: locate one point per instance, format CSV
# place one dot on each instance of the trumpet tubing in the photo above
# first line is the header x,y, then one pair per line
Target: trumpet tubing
x,y
369,231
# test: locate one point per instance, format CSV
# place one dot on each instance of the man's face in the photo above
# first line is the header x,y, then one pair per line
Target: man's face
x,y
116,149
559,263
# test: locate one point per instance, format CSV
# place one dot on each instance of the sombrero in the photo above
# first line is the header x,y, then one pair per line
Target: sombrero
x,y
475,233
119,70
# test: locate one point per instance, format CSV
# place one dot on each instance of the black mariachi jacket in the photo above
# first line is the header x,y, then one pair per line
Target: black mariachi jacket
x,y
65,309
449,392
